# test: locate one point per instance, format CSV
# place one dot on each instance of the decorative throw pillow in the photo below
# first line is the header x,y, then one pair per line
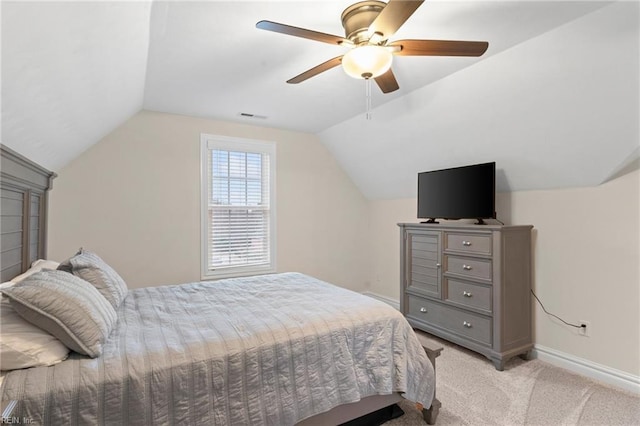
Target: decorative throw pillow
x,y
91,268
22,344
66,306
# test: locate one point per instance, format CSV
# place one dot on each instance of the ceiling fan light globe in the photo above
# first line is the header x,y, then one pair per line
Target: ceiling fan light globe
x,y
367,61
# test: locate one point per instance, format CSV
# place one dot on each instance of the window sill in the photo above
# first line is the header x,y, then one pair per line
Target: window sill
x,y
237,272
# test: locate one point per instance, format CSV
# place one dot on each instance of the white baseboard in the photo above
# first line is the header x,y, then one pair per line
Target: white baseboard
x,y
602,373
592,370
389,301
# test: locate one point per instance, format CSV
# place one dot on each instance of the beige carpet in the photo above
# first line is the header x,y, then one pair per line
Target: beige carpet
x,y
532,392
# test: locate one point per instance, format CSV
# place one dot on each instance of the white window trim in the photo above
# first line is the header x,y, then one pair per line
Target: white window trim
x,y
235,144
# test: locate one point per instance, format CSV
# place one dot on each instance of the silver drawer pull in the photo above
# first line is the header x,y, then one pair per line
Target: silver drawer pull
x,y
466,293
467,324
423,310
466,243
438,265
466,267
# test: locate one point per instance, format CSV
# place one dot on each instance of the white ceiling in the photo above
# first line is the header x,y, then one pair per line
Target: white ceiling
x,y
74,71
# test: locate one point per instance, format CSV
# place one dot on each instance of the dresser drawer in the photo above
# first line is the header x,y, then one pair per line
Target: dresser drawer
x,y
472,268
466,324
468,243
423,309
468,294
472,326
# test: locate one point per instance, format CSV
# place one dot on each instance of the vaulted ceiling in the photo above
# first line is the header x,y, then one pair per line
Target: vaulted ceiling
x,y
554,101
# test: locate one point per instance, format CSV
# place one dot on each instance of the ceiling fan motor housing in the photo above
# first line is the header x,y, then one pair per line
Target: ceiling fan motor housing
x,y
357,18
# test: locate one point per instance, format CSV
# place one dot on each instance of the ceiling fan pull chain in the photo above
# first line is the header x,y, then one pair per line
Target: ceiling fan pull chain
x,y
367,89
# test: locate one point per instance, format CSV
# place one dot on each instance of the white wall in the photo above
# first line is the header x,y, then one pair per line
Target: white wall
x,y
586,263
134,198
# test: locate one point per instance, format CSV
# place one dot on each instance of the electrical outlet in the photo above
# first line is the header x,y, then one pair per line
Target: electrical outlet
x,y
585,330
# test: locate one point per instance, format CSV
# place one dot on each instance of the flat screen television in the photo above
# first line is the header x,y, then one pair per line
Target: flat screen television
x,y
466,192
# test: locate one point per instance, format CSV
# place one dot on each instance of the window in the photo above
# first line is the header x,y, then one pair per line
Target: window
x,y
238,206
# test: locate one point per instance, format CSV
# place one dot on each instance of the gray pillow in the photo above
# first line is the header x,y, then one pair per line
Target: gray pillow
x,y
66,306
90,267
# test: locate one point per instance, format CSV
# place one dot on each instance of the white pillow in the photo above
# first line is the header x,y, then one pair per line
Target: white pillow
x,y
36,266
22,344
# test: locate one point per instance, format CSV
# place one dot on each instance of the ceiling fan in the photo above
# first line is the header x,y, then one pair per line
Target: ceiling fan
x,y
368,26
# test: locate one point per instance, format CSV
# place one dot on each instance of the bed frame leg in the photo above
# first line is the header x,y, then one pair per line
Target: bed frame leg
x,y
433,351
431,414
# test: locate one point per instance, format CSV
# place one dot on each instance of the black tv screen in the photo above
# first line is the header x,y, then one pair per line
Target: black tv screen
x,y
458,193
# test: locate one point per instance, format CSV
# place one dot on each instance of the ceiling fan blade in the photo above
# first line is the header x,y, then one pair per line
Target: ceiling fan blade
x,y
331,63
387,82
440,48
301,32
391,18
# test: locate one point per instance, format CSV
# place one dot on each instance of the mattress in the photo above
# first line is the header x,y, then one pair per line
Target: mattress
x,y
267,350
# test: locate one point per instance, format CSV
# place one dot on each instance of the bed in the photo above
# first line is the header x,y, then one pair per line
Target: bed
x,y
275,349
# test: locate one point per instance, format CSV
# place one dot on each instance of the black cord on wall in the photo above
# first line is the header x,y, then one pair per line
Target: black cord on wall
x,y
555,316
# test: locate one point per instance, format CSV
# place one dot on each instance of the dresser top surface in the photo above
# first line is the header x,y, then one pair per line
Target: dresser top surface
x,y
464,226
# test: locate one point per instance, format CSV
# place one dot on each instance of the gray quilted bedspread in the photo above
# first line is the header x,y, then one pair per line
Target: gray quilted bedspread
x,y
268,350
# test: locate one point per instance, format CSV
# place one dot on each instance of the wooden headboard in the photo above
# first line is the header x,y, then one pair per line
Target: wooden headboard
x,y
23,212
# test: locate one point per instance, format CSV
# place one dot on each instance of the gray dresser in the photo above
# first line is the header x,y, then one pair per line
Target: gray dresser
x,y
469,284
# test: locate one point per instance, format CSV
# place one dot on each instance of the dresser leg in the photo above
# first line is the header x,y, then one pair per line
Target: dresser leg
x,y
499,364
526,356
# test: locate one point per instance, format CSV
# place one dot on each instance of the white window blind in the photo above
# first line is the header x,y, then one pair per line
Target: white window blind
x,y
239,236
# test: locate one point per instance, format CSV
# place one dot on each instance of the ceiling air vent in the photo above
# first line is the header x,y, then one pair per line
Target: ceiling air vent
x,y
249,115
